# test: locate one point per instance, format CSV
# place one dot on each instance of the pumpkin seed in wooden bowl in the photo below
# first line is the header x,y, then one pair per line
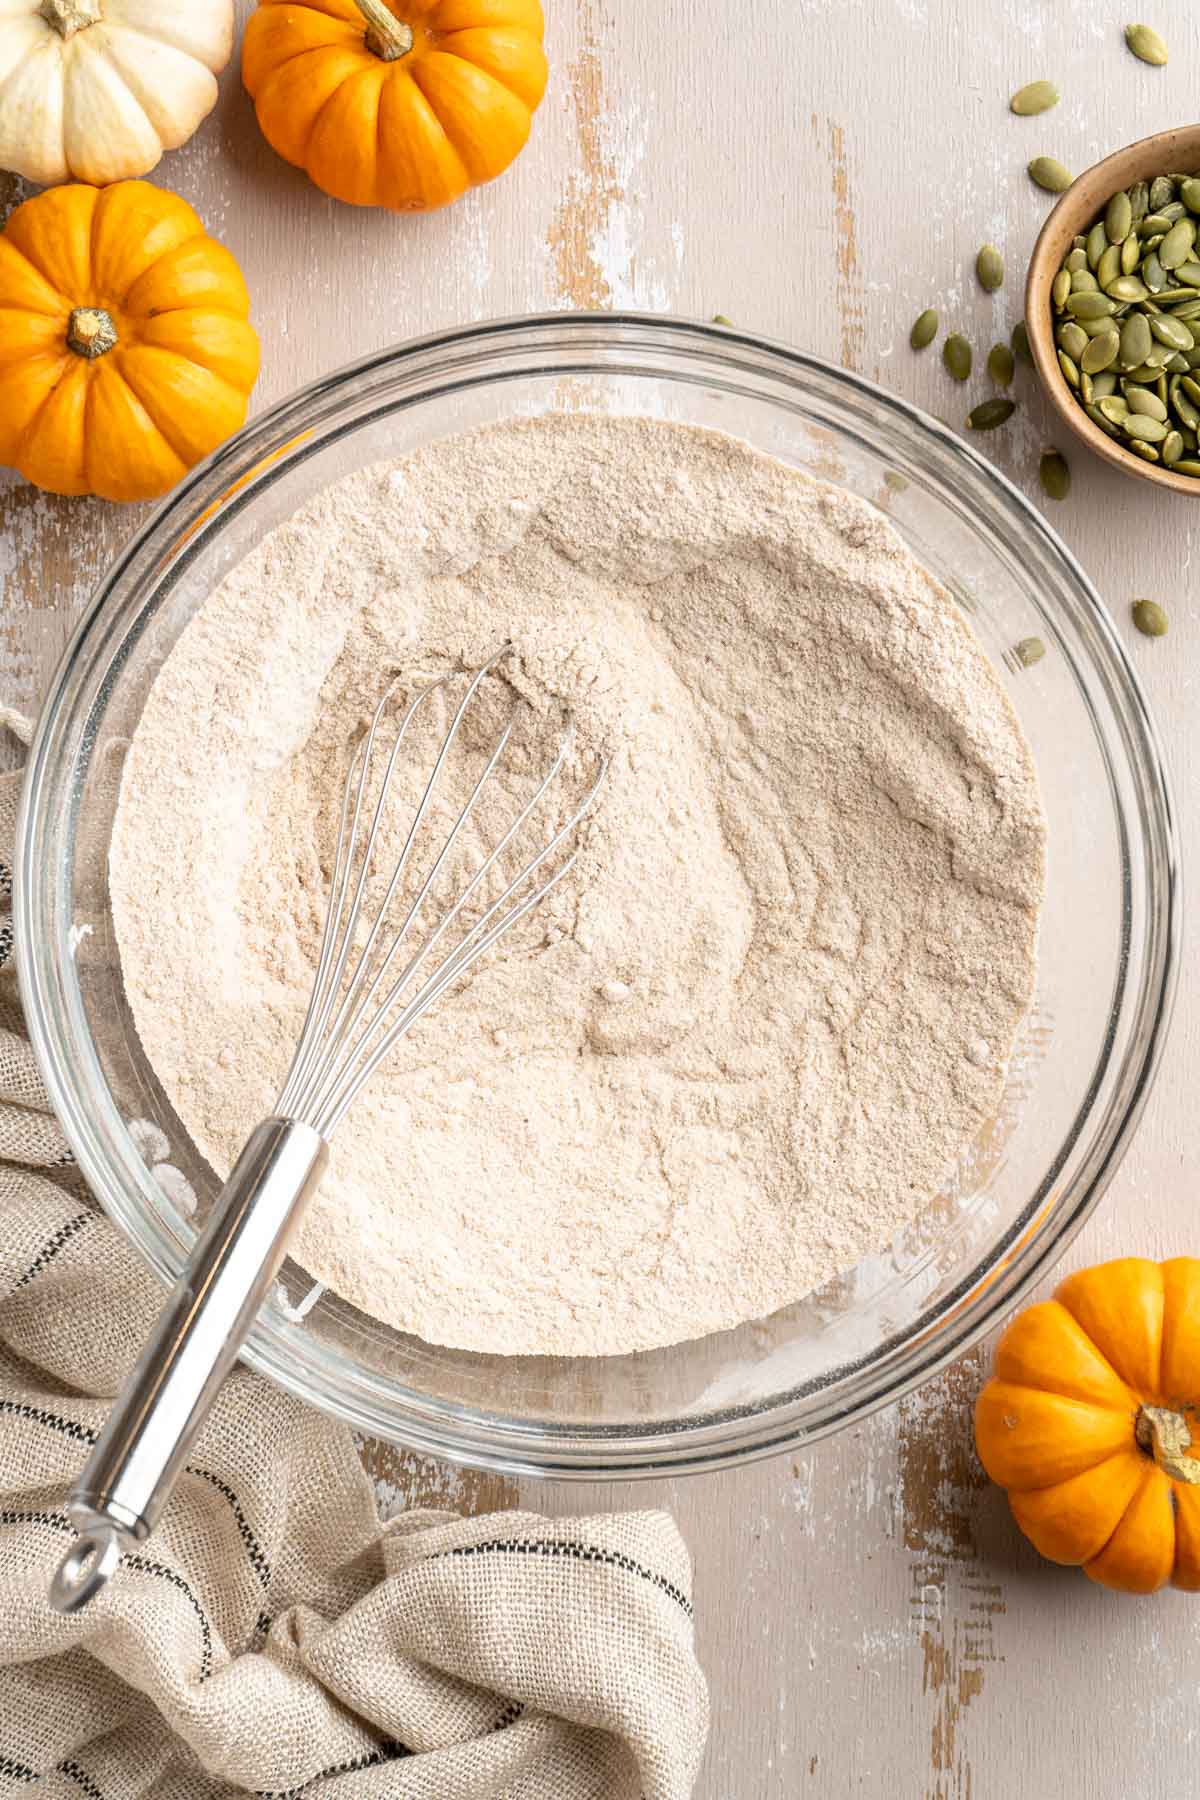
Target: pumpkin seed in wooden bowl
x,y
1112,310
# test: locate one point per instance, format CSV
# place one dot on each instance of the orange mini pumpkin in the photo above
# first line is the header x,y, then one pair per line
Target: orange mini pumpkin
x,y
405,110
125,350
1092,1418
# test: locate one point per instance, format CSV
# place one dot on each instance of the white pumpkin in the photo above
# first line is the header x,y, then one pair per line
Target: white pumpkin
x,y
96,90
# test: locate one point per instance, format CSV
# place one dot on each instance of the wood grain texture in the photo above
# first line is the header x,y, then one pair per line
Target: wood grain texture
x,y
870,1620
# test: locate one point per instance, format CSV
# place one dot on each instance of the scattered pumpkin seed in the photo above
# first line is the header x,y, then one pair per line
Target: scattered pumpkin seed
x,y
956,354
1054,475
1030,650
1146,44
1000,365
1019,339
989,268
1049,174
925,328
1034,97
720,319
1149,618
990,413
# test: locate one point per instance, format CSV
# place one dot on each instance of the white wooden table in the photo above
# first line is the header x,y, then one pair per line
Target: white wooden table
x,y
819,170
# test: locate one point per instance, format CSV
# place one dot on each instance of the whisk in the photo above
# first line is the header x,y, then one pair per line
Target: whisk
x,y
365,998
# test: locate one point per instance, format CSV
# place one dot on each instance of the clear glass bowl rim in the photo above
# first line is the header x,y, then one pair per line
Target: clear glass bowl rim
x,y
106,1155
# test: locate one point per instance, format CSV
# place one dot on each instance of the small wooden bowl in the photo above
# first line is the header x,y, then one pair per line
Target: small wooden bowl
x,y
1083,202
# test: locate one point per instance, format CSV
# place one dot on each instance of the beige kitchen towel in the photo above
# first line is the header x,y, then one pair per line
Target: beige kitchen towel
x,y
273,1637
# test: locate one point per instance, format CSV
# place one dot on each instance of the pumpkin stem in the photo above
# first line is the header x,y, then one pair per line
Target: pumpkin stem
x,y
387,36
1165,1435
70,16
90,331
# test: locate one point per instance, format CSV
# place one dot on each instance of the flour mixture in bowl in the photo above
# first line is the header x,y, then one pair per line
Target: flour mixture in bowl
x,y
751,1032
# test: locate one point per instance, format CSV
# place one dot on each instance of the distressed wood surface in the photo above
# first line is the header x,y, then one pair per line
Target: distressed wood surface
x,y
870,1621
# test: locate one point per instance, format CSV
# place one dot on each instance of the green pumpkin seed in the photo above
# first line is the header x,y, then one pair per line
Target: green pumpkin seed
x,y
1030,650
1160,354
1162,192
1183,408
1160,387
925,329
1127,287
1172,332
1177,363
1060,289
1019,339
1189,273
1135,340
1131,252
1147,431
1118,218
956,354
1076,260
989,268
1090,306
1153,273
1187,466
1073,338
1101,351
990,413
1084,282
1000,364
1147,452
1098,418
1192,357
1191,388
1153,224
1146,44
1054,476
1034,97
1144,372
1189,192
1050,175
1172,212
1172,447
1069,369
1114,409
1109,267
1150,618
1103,384
1139,201
1176,247
1096,243
1095,327
1141,400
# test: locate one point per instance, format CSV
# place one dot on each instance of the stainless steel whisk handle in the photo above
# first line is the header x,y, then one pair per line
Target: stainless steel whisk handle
x,y
145,1442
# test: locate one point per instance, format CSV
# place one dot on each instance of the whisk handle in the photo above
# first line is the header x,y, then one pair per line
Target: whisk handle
x,y
144,1445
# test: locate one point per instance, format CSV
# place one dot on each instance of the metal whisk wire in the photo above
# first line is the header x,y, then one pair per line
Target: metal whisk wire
x,y
338,1054
356,1013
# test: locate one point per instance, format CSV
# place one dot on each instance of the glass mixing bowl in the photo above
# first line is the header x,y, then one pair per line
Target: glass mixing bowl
x,y
1086,1056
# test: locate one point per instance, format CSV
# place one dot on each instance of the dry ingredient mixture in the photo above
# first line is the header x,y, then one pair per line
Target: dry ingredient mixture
x,y
748,1036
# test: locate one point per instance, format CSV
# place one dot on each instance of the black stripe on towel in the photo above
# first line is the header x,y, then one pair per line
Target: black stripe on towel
x,y
80,1776
17,1771
386,1753
589,1553
51,1248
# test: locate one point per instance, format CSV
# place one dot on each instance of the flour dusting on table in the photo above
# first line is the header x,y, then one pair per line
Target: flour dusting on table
x,y
747,1037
